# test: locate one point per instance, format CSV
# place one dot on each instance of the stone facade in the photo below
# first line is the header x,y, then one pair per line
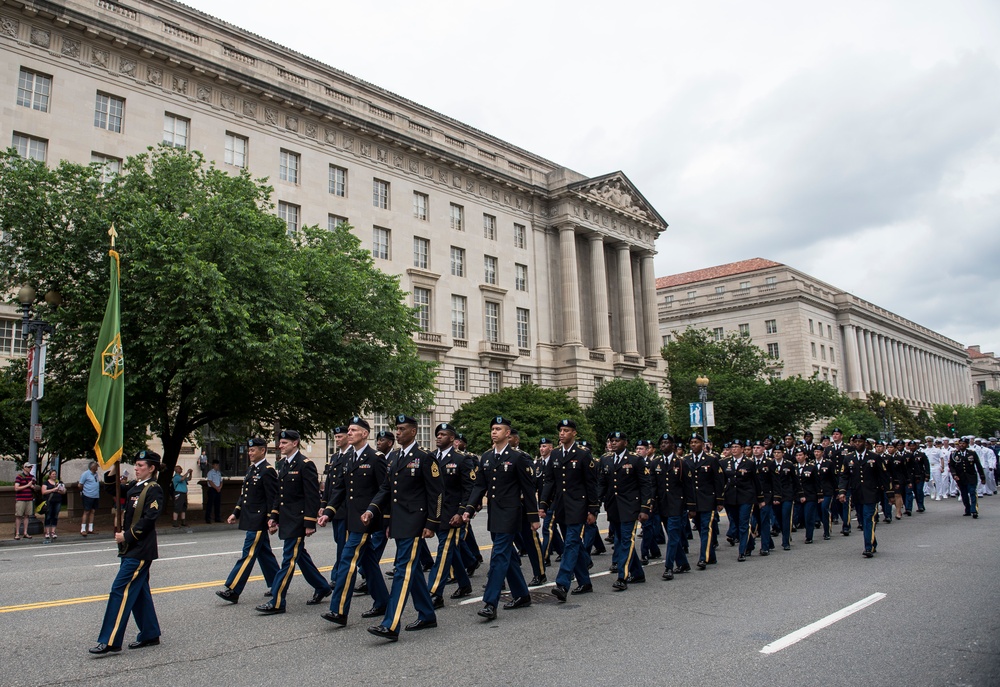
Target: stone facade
x,y
985,369
815,328
568,298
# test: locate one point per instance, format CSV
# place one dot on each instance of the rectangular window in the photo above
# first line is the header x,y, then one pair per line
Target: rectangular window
x,y
334,221
523,328
492,321
822,352
665,339
772,350
520,240
831,355
457,261
457,217
338,181
811,328
289,213
380,194
495,382
520,277
718,333
175,131
380,243
812,347
771,326
30,147
490,227
719,290
11,341
691,295
459,307
771,281
420,202
525,379
598,382
820,326
110,166
289,166
829,332
744,330
424,437
744,285
421,252
833,379
33,90
461,379
422,302
109,112
490,269
236,149
669,299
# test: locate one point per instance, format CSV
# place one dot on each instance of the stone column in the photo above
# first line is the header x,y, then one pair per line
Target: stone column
x,y
570,286
908,372
942,396
897,366
889,369
602,331
886,365
873,384
630,345
863,360
650,311
879,366
852,364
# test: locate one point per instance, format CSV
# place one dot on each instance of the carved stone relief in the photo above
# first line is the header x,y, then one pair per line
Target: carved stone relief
x,y
311,129
40,37
180,84
127,66
292,123
155,76
227,101
250,109
348,143
271,116
414,167
366,148
100,58
204,93
330,136
9,27
381,154
70,47
397,160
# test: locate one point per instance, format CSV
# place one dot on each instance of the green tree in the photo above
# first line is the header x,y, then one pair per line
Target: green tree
x,y
750,399
533,411
15,412
991,398
988,418
963,418
630,406
856,418
225,318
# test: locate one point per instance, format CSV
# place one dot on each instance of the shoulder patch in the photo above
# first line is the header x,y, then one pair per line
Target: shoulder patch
x,y
435,472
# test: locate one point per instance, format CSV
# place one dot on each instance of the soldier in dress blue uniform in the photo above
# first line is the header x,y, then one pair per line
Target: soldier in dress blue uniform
x,y
812,491
571,492
293,517
652,528
137,549
863,476
411,498
527,541
334,467
742,493
551,536
504,476
459,474
763,514
260,487
471,555
920,474
828,484
966,469
673,486
787,492
624,481
354,487
709,488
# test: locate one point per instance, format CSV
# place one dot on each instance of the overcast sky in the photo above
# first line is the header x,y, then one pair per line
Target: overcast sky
x,y
858,142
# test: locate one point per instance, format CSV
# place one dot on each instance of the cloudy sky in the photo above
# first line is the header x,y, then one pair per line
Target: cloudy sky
x,y
856,141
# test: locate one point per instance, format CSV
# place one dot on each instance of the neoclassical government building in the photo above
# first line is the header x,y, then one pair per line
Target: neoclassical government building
x,y
522,270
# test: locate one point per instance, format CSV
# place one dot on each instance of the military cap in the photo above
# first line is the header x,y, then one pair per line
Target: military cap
x,y
499,420
148,456
584,443
825,437
728,444
798,450
514,432
856,437
643,442
444,427
759,442
616,435
402,419
566,422
545,440
666,437
460,437
789,435
736,442
386,434
837,430
779,447
912,441
255,441
359,421
290,434
340,429
695,436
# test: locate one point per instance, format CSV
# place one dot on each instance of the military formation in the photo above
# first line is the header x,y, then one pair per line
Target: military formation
x,y
541,508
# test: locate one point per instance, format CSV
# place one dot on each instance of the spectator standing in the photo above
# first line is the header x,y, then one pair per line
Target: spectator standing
x,y
203,464
24,499
90,489
180,483
213,506
53,491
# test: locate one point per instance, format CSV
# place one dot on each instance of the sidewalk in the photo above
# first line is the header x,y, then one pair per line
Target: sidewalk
x,y
68,530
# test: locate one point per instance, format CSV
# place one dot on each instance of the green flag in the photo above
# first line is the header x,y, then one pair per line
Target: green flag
x,y
106,388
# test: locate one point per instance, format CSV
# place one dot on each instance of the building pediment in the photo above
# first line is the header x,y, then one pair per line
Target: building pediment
x,y
617,193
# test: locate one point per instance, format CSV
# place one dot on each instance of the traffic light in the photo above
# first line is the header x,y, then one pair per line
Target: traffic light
x,y
951,428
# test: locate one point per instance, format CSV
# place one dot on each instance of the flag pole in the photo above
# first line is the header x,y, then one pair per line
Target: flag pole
x,y
118,464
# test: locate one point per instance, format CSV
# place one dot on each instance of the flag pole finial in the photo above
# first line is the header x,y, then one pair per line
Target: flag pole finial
x,y
113,233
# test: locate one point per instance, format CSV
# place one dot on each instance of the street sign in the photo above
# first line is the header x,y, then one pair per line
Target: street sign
x,y
37,432
694,410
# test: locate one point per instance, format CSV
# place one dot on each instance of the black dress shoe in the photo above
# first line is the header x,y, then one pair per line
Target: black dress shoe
x,y
808,541
558,558
867,554
437,602
228,595
682,569
909,513
421,625
427,568
318,597
619,585
741,559
634,579
391,573
613,568
104,648
826,537
361,589
786,548
583,589
461,593
537,580
975,516
335,618
384,633
667,575
701,565
559,592
644,560
155,641
519,602
488,611
373,612
269,609
268,594
732,542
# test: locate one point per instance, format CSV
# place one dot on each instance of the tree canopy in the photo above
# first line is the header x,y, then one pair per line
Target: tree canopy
x,y
226,319
628,405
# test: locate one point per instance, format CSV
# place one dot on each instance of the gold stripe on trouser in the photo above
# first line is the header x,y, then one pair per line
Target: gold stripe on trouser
x,y
279,595
249,559
829,515
548,543
443,558
791,515
631,549
538,549
121,608
346,594
874,525
414,550
847,513
708,549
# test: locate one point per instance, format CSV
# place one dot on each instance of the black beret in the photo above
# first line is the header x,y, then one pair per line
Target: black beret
x,y
256,441
444,427
148,456
340,429
386,434
514,432
837,430
360,422
460,437
499,420
545,440
824,437
697,436
759,442
566,422
406,420
643,442
736,442
616,435
856,437
289,434
666,437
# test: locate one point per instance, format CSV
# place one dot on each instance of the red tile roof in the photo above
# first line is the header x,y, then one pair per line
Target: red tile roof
x,y
728,270
974,352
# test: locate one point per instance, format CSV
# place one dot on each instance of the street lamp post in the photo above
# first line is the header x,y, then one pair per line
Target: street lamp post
x,y
702,383
954,422
885,427
30,325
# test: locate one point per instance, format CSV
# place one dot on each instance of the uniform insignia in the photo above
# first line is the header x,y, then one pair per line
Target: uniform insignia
x,y
154,506
472,474
434,470
647,471
529,470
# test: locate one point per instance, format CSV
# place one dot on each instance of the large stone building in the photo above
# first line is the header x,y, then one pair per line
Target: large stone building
x,y
815,328
523,270
985,369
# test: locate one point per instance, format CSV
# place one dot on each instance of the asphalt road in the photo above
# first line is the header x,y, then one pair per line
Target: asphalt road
x,y
936,625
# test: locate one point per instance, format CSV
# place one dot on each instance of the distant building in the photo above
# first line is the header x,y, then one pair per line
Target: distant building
x,y
985,368
817,329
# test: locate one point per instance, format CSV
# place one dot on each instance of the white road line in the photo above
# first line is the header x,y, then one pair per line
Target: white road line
x,y
465,602
812,628
180,558
73,553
